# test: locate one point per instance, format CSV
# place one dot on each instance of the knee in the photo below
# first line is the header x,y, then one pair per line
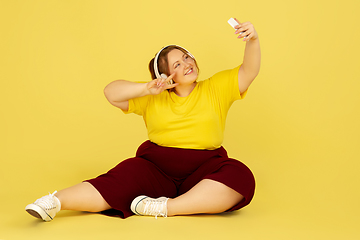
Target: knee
x,y
242,170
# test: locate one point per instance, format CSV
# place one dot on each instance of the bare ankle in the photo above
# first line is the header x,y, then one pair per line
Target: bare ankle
x,y
170,213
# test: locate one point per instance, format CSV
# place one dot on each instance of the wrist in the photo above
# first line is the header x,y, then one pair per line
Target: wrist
x,y
146,89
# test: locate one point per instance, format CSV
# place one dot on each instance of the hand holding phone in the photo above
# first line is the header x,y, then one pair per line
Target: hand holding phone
x,y
245,30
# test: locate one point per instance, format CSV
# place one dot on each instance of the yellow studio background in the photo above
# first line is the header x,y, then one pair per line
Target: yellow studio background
x,y
297,129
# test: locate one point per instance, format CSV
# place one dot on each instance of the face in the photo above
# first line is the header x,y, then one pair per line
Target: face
x,y
183,66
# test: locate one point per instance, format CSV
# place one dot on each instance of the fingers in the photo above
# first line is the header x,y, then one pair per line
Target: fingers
x,y
168,86
163,86
237,22
245,30
169,82
169,79
246,35
160,82
243,27
163,83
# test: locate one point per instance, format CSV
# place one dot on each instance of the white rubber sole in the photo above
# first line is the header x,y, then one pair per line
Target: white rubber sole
x,y
136,202
38,212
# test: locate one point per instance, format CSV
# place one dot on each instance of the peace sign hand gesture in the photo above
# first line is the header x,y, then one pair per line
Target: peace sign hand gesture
x,y
158,85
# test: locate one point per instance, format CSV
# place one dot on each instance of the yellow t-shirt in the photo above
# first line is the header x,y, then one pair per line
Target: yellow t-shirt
x,y
196,121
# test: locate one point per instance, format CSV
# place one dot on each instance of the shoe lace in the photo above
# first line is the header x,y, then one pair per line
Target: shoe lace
x,y
47,202
155,207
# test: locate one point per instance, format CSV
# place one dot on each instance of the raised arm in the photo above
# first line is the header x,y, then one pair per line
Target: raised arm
x,y
119,92
252,55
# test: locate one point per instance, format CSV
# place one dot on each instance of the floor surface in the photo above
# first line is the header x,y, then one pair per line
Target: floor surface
x,y
257,221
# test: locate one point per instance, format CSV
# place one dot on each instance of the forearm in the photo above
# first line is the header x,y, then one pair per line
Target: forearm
x,y
121,90
252,58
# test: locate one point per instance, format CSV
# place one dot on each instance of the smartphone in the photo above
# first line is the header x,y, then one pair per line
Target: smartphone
x,y
233,22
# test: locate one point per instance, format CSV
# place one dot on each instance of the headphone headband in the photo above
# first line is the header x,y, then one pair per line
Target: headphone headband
x,y
156,70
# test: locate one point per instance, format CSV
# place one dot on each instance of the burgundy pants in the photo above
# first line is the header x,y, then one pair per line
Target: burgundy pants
x,y
164,171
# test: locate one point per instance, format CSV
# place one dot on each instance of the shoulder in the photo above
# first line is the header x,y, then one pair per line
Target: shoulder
x,y
222,77
229,73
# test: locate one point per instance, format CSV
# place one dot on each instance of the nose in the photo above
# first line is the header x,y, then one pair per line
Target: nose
x,y
186,64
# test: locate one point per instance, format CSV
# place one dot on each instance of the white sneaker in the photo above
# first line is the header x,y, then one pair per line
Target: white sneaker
x,y
143,205
45,208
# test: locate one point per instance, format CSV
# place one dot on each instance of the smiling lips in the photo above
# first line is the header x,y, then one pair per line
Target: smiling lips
x,y
189,72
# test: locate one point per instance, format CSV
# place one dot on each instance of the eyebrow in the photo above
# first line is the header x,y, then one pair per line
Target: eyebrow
x,y
178,60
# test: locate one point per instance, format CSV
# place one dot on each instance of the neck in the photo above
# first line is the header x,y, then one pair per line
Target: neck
x,y
184,90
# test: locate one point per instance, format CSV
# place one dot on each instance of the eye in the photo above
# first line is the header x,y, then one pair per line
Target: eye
x,y
177,65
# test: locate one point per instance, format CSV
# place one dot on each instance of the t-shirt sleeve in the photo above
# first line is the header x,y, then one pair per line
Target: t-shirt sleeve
x,y
226,84
138,105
